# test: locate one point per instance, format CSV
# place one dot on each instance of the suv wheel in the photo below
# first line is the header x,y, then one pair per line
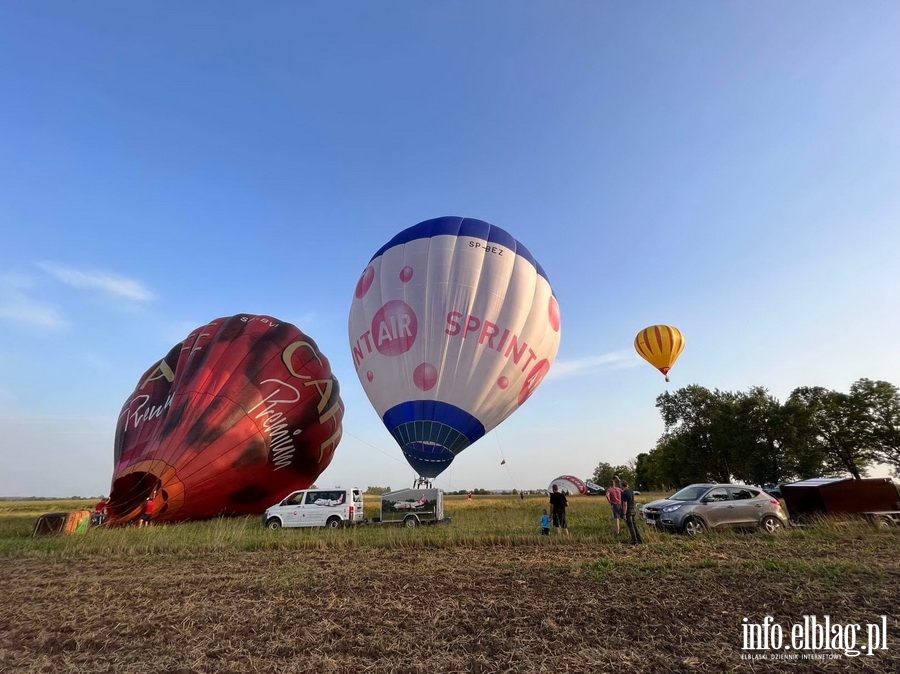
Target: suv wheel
x,y
693,526
770,524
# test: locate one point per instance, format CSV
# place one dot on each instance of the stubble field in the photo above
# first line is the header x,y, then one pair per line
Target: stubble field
x,y
483,594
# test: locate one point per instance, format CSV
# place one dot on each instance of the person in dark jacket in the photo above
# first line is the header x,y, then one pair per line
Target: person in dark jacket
x,y
629,510
558,505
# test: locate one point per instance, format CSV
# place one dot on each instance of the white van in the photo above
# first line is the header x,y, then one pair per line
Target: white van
x,y
330,508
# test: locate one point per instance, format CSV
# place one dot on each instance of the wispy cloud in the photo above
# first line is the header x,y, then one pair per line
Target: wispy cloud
x,y
307,322
19,306
101,281
616,360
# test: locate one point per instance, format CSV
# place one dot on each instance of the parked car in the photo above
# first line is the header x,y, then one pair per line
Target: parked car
x,y
698,507
594,489
773,489
330,508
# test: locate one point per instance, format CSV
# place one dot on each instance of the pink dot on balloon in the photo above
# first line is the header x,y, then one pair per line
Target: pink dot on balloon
x,y
553,310
503,382
369,375
365,281
406,274
425,376
394,328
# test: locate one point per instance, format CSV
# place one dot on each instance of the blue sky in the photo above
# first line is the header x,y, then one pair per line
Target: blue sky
x,y
729,168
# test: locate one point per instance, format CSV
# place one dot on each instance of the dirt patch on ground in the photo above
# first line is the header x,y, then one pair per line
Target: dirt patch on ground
x,y
565,607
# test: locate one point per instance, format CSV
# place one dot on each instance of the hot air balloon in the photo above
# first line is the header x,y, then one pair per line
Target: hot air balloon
x,y
569,484
660,345
240,413
452,327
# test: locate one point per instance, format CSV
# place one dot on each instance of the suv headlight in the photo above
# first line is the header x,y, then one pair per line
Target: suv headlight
x,y
671,508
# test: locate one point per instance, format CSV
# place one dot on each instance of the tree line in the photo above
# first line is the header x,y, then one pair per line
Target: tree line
x,y
751,437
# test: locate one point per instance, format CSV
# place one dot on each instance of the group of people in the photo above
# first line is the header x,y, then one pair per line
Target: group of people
x,y
621,499
147,509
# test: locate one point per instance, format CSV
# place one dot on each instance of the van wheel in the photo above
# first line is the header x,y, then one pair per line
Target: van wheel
x,y
693,526
410,522
333,522
770,524
274,524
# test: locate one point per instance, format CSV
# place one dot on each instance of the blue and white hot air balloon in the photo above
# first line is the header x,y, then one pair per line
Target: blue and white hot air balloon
x,y
453,326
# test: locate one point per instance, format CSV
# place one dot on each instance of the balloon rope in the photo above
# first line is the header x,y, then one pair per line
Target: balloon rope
x,y
508,471
346,432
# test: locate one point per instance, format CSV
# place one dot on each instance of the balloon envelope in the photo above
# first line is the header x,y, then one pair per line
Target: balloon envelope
x,y
453,325
569,484
244,410
660,345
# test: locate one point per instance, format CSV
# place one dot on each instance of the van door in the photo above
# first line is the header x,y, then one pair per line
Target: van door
x,y
312,513
290,509
358,506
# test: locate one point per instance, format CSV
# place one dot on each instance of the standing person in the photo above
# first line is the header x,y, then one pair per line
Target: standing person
x,y
558,505
614,496
100,512
545,524
628,508
147,512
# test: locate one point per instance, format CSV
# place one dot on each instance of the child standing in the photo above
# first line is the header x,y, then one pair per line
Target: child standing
x,y
545,524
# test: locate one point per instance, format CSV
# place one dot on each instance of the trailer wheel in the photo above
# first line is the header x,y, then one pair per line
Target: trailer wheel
x,y
884,521
274,524
411,522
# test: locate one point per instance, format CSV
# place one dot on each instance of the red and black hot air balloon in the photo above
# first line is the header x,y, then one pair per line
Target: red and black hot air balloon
x,y
241,412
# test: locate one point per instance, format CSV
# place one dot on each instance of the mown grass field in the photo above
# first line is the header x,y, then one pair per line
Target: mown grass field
x,y
485,593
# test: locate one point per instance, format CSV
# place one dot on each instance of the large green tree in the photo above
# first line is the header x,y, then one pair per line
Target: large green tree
x,y
834,428
750,437
753,437
604,473
881,425
697,431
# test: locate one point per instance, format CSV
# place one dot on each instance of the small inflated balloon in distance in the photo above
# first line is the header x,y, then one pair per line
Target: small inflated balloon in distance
x,y
660,345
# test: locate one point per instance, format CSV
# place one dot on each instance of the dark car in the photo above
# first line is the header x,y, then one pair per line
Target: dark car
x,y
773,489
698,507
594,489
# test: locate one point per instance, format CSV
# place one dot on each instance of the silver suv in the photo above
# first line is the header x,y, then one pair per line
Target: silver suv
x,y
715,506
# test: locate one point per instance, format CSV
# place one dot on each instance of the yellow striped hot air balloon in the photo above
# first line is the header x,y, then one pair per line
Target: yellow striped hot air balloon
x,y
660,345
